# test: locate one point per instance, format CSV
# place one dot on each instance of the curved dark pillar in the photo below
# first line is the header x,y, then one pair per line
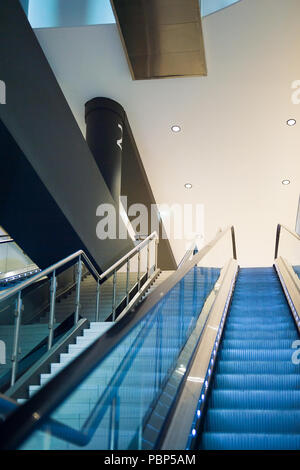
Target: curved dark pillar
x,y
104,135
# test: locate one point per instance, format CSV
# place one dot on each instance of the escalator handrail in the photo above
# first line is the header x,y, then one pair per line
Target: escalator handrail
x,y
21,423
78,255
278,234
58,429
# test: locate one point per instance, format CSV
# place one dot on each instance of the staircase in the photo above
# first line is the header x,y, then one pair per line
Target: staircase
x,y
255,400
95,330
90,335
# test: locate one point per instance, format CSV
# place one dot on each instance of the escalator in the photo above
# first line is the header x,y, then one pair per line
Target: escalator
x,y
203,362
255,397
15,265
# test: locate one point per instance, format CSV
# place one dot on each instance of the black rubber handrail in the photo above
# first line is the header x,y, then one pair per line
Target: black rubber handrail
x,y
33,414
59,430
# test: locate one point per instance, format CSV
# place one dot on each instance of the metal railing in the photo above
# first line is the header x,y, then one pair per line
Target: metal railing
x,y
78,258
34,413
278,234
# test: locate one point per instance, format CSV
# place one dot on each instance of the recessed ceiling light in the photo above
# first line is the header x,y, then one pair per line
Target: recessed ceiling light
x,y
291,122
286,182
176,128
188,186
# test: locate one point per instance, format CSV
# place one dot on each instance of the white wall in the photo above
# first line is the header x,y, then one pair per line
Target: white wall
x,y
235,147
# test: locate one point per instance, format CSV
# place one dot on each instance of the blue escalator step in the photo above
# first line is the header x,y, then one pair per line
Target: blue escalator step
x,y
257,381
257,367
246,441
256,344
252,421
256,354
255,399
245,334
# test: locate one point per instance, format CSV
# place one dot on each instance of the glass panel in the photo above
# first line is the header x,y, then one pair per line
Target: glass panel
x,y
65,304
7,328
33,329
35,316
113,405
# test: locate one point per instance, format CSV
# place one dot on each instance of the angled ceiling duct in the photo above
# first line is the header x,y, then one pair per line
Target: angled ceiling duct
x,y
161,38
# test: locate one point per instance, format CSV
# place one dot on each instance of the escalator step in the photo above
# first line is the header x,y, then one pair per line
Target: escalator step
x,y
245,441
256,344
255,399
254,334
257,382
257,367
256,354
252,421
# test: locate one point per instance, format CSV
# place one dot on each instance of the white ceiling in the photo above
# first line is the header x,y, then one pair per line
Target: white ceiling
x,y
235,147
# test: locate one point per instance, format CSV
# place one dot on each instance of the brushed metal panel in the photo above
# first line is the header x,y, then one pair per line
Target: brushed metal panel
x,y
161,38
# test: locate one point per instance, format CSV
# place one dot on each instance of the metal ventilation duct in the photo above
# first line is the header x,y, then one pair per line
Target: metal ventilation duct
x,y
161,38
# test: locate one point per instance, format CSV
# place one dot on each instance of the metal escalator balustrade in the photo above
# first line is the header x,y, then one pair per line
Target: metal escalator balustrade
x,y
287,262
113,386
33,310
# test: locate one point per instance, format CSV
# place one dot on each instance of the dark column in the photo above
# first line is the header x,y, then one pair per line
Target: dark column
x,y
104,135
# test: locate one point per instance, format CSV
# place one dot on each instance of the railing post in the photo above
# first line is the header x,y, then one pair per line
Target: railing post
x,y
52,309
156,253
148,259
127,281
278,231
233,243
78,283
98,301
139,271
114,296
18,312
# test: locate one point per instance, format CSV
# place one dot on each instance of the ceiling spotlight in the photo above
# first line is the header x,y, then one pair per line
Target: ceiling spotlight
x,y
291,122
188,186
176,128
286,182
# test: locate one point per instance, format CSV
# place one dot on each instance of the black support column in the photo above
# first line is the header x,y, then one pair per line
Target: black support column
x,y
104,135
